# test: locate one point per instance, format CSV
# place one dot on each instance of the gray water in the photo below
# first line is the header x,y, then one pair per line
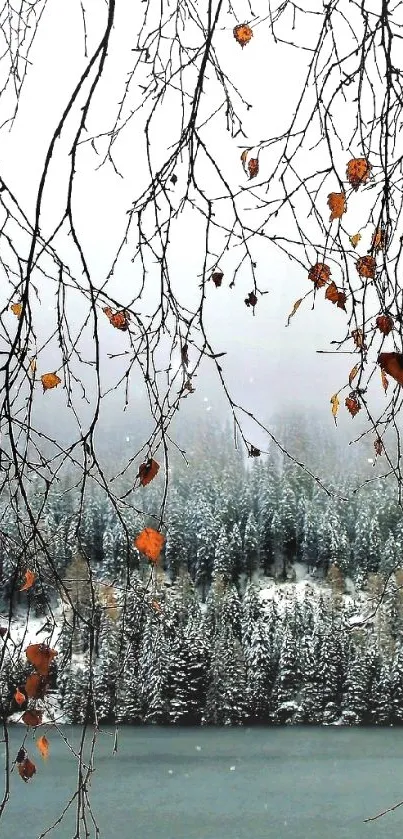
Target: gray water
x,y
172,783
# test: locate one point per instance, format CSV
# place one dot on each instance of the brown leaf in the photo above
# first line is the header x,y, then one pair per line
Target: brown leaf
x,y
392,363
254,452
32,366
16,309
32,718
384,380
378,446
242,34
49,380
336,202
335,296
358,171
120,320
353,373
148,471
35,686
251,299
366,267
42,744
319,274
378,242
384,324
30,578
217,278
26,769
253,167
334,401
355,239
358,338
150,543
156,605
294,309
41,656
19,697
185,355
353,405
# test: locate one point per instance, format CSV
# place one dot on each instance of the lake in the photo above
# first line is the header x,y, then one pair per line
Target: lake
x,y
220,783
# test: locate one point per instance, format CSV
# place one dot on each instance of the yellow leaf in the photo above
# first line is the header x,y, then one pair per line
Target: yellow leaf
x,y
294,309
42,744
355,239
353,373
16,309
50,380
334,401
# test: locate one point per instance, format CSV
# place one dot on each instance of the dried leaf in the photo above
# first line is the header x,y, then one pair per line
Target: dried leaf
x,y
42,744
185,355
120,320
32,366
384,380
319,274
217,278
355,239
49,380
148,471
392,363
251,299
366,267
334,401
294,309
242,34
378,446
358,338
378,242
254,452
353,405
335,296
30,578
35,686
3,631
336,202
32,718
358,171
19,697
353,373
26,769
41,656
253,167
384,324
16,309
150,543
244,156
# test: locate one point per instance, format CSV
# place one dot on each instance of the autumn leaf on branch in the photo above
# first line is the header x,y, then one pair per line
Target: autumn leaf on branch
x,y
294,309
319,274
384,324
355,239
392,364
335,296
378,242
352,404
253,167
42,744
217,278
251,299
335,403
336,202
254,452
30,578
384,380
148,471
358,338
378,446
50,380
242,34
353,373
19,697
16,309
358,172
41,657
120,320
32,718
366,267
35,686
150,543
26,769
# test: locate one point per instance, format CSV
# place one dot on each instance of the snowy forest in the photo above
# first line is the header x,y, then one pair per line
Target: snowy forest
x,y
258,611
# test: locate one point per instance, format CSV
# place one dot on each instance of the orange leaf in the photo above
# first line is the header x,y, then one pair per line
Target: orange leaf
x,y
384,324
353,405
242,34
253,167
355,239
16,309
19,697
358,171
26,769
378,242
33,718
384,380
150,542
336,202
42,744
366,266
335,296
35,686
319,274
120,320
353,373
41,656
49,380
392,363
294,309
30,578
148,471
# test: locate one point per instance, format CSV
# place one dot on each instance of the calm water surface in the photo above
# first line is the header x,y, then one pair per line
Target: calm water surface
x,y
165,783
